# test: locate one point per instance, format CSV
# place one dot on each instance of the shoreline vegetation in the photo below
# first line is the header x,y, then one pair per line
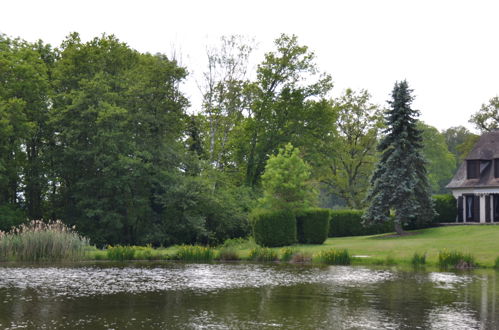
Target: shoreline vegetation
x,y
458,247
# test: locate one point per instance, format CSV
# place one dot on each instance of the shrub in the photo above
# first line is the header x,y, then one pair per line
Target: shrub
x,y
228,253
418,259
195,253
455,259
312,225
333,257
446,208
263,254
120,253
273,228
287,253
349,223
42,241
10,216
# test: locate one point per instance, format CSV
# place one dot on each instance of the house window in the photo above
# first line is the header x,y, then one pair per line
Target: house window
x,y
473,169
496,168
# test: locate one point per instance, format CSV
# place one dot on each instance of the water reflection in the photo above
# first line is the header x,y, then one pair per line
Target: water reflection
x,y
244,296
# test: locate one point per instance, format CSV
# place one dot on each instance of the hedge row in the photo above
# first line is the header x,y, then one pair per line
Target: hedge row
x,y
349,223
312,226
446,207
283,227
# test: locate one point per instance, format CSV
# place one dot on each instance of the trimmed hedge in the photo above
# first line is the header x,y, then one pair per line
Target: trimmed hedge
x,y
273,227
312,225
445,205
349,223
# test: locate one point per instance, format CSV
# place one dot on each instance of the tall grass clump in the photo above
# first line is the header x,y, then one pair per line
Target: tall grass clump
x,y
228,254
287,253
195,253
418,259
120,253
333,257
42,241
455,259
263,254
496,263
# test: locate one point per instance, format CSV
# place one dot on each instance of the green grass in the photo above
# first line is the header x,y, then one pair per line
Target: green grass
x,y
482,242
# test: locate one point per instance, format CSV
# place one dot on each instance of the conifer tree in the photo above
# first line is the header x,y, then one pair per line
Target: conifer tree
x,y
399,182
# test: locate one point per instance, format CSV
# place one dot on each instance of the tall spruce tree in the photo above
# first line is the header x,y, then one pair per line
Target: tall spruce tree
x,y
399,182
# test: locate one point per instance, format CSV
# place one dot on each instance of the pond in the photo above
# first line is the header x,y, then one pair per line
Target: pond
x,y
244,296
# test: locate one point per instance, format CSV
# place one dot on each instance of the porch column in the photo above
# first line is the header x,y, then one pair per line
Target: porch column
x,y
482,208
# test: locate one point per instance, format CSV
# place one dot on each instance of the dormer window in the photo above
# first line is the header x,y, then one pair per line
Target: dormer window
x,y
473,169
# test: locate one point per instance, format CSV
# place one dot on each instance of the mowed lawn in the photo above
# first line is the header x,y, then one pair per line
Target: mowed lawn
x,y
481,241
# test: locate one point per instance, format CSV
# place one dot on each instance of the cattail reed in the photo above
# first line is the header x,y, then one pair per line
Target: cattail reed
x,y
42,241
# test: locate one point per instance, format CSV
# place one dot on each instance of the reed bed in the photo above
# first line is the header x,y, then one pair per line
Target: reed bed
x,y
42,241
263,254
195,253
418,259
455,259
333,257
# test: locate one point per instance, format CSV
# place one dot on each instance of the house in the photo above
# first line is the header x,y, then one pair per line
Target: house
x,y
476,183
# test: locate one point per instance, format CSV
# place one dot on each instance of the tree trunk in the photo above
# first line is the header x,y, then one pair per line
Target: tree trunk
x,y
398,228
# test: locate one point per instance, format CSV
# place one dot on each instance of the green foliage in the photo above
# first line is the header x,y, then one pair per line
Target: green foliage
x,y
455,259
418,259
353,159
273,227
400,182
40,241
287,253
350,223
487,118
460,141
263,254
312,225
10,216
228,253
333,257
496,263
195,253
441,163
288,104
120,253
445,206
285,181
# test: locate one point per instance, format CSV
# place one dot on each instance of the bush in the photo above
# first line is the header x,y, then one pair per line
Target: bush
x,y
333,257
312,225
273,228
10,216
195,253
455,259
446,208
263,254
228,253
418,259
42,241
120,253
349,223
287,253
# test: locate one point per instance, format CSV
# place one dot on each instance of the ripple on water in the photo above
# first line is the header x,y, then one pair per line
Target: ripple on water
x,y
88,281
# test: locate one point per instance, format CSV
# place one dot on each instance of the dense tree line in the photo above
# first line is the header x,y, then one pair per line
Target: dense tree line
x,y
98,134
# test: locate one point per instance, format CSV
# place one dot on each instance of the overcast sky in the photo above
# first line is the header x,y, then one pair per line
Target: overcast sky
x,y
447,50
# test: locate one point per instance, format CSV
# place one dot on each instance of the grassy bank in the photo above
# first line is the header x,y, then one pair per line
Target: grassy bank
x,y
482,242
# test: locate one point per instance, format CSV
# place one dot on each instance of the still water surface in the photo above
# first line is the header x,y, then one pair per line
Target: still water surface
x,y
245,296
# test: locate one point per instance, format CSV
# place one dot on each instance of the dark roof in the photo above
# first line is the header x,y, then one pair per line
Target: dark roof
x,y
487,148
